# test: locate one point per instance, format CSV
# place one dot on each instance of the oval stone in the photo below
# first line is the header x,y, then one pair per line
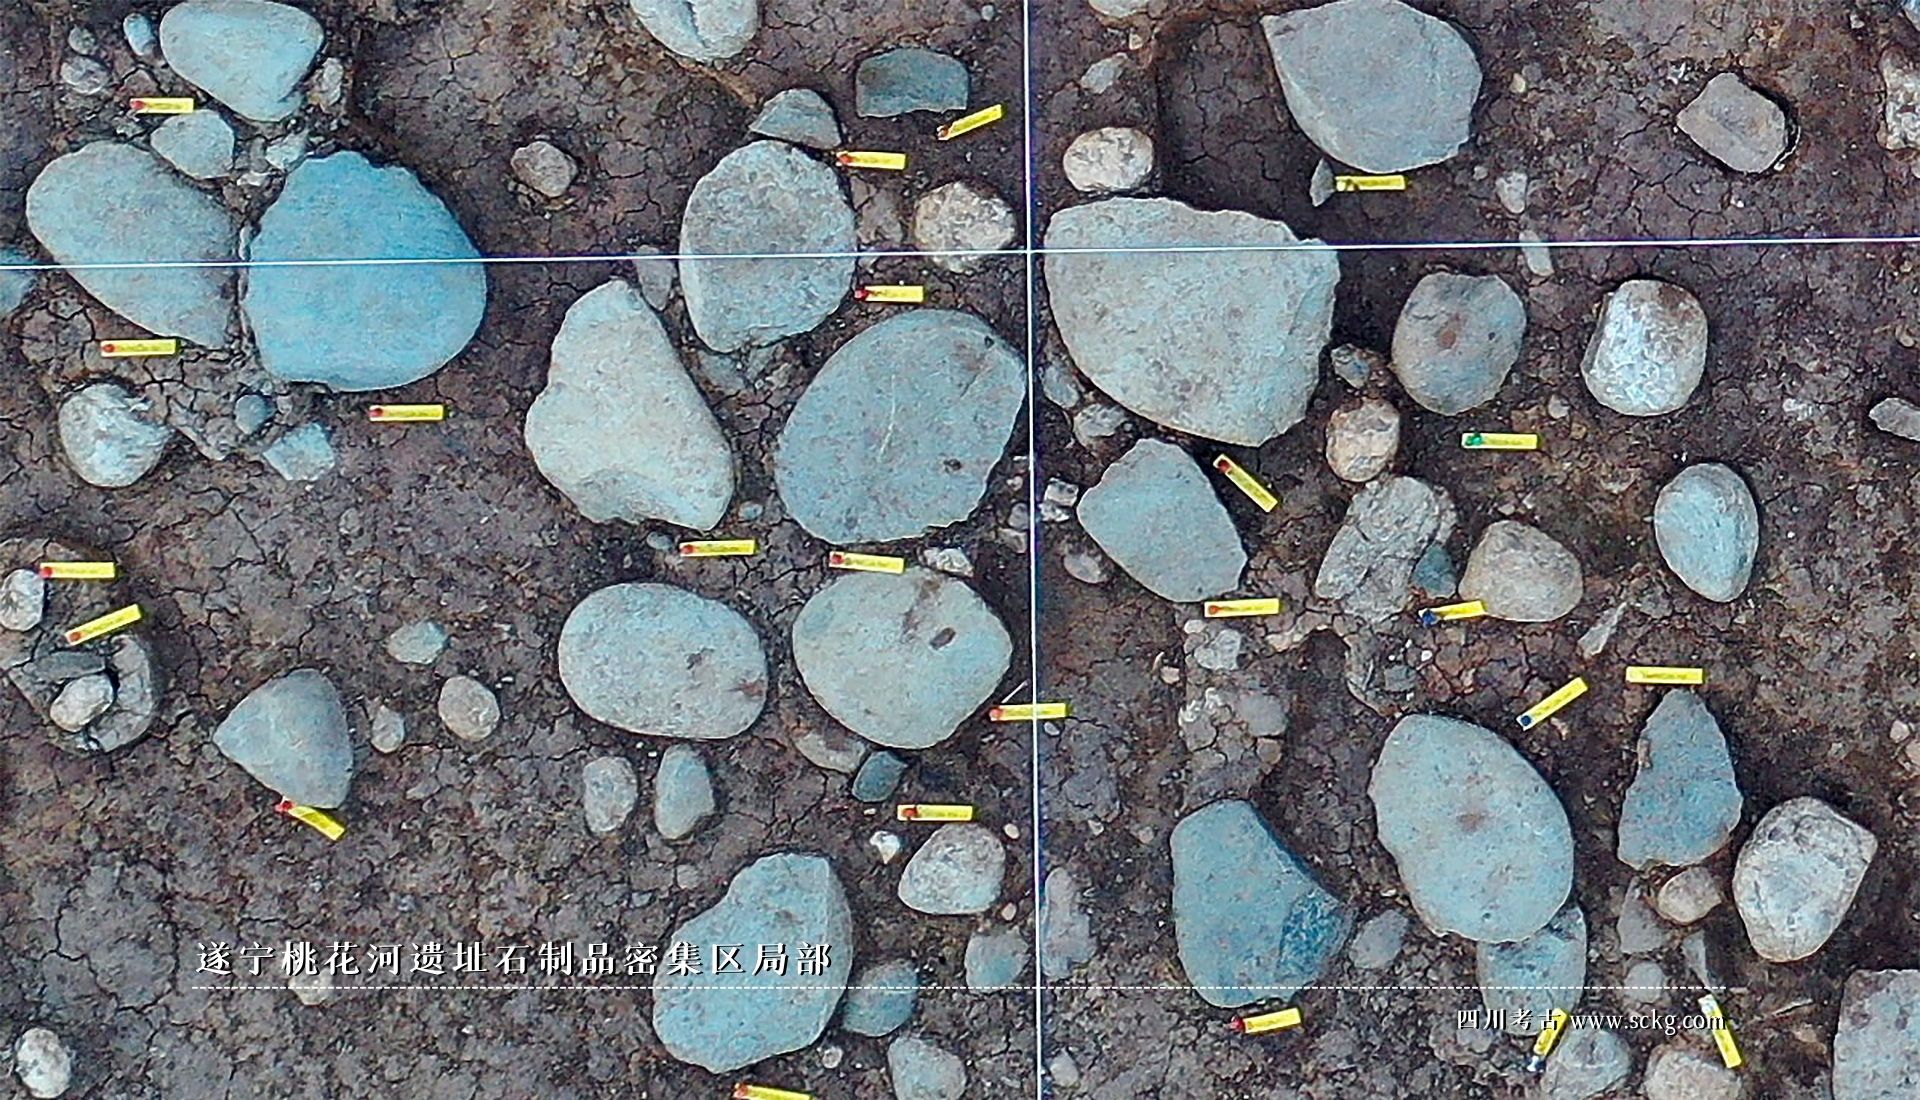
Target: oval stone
x,y
957,871
248,54
1522,574
659,660
1797,875
1708,530
1456,338
1648,351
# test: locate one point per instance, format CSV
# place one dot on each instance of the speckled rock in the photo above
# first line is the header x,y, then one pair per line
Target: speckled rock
x,y
248,54
1110,159
1456,339
43,1063
81,701
303,454
1689,896
962,217
1680,1070
957,871
880,998
798,115
23,600
417,643
1876,1044
1741,128
1797,875
1708,530
468,708
659,660
701,30
1529,978
1522,574
1683,803
1588,1062
909,79
1370,562
1648,350
1157,517
1362,439
107,437
290,733
544,167
995,959
199,144
921,1071
682,792
608,790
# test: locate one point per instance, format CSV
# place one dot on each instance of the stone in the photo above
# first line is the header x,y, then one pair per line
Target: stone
x,y
947,559
886,846
1892,414
1103,74
1250,921
880,998
1433,574
1681,1071
1589,1062
1636,930
1797,875
1066,932
1535,254
878,777
1120,9
995,960
468,708
387,730
659,660
407,321
909,79
1526,980
921,1071
799,115
139,32
682,792
283,154
620,428
80,702
1456,339
1708,530
962,217
957,871
14,285
136,701
542,166
1688,896
724,1021
1322,185
1223,345
1110,159
1511,190
1482,843
251,413
1648,350
85,75
199,144
417,643
107,437
700,30
248,54
1370,562
1379,940
1900,110
765,198
1683,803
1157,516
1522,574
23,600
43,1063
898,433
900,659
312,989
115,204
1084,565
608,790
290,733
657,277
1376,83
1355,365
303,454
1876,1043
1362,439
1096,422
1741,128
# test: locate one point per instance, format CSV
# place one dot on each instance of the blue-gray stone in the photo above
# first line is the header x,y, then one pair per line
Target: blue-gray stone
x,y
1684,802
921,1071
248,54
878,777
1482,843
417,643
900,658
996,959
303,454
1369,565
909,79
898,434
251,412
723,1019
682,792
1528,979
957,871
1066,932
703,30
659,660
14,285
140,35
765,198
1797,875
1457,337
880,998
1379,940
1649,349
290,733
199,144
1708,530
1157,517
1876,1044
361,327
1589,1062
114,204
107,436
1250,922
1433,574
798,115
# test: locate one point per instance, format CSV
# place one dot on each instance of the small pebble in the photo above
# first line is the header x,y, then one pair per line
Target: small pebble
x,y
469,708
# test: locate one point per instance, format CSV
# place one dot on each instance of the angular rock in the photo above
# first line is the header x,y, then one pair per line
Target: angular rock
x,y
1156,515
1588,1063
14,285
542,166
1683,803
620,427
1379,940
880,998
1223,345
107,437
921,1071
608,790
1648,350
659,660
468,708
136,701
248,54
1456,339
387,729
798,115
682,792
1741,128
80,702
1482,843
1708,530
417,643
723,1020
1876,1044
1796,876
303,454
1066,933
765,198
199,144
1688,896
1682,1071
702,30
1527,979
1376,83
290,733
1892,414
961,217
957,871
23,600
995,960
1370,562
1433,574
1362,439
1110,159
1522,574
43,1063
878,777
909,79
1250,921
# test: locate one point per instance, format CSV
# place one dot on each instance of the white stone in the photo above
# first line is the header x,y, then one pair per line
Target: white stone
x,y
1110,159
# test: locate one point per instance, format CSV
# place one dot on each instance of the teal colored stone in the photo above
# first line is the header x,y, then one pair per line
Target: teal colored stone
x,y
303,454
682,792
1530,978
1684,802
880,1000
996,960
1708,530
1433,574
14,285
1158,518
878,777
798,115
909,79
248,54
199,144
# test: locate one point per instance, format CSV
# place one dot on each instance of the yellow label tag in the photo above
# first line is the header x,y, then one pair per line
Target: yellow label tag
x,y
891,162
1240,609
105,624
1551,705
406,412
131,349
1370,183
867,563
1722,1034
79,570
891,293
931,811
1663,674
1246,483
1446,613
162,105
719,548
1267,1021
327,826
1026,712
967,124
767,1092
1549,1036
1500,441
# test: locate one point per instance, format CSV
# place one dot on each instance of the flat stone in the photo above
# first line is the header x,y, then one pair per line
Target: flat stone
x,y
14,285
544,167
659,660
1683,803
878,777
136,701
417,643
1433,574
722,1020
1527,979
387,729
1066,932
921,1071
995,960
303,454
251,413
1110,159
80,702
85,75
107,437
1876,1044
682,792
1223,345
468,708
1636,929
1689,896
290,733
1892,414
43,1063
880,998
1482,843
1648,350
115,204
23,600
1456,339
1522,574
1741,128
1681,1071
957,871
608,790
1156,515
798,115
199,144
1375,83
248,54
1588,1062
620,428
1370,562
961,217
1511,190
909,79
1708,530
1362,439
140,34
1797,875
765,198
702,30
1250,921
408,320
1379,940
